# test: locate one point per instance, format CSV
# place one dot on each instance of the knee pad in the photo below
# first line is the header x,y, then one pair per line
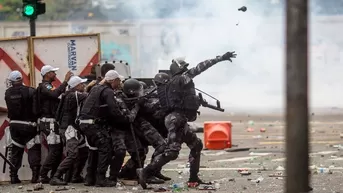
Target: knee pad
x,y
171,155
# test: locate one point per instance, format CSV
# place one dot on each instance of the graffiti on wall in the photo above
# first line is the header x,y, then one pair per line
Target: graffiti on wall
x,y
110,50
18,34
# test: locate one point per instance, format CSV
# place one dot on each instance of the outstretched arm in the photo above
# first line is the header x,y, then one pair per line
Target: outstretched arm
x,y
202,66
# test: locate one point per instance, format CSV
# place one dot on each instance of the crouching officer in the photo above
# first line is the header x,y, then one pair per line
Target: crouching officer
x,y
76,149
48,101
98,110
19,101
146,133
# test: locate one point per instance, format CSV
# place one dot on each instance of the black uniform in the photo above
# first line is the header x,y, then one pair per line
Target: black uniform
x,y
98,110
145,132
48,100
23,128
122,139
178,98
76,149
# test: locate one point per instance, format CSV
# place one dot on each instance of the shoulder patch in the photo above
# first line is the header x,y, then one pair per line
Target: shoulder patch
x,y
49,87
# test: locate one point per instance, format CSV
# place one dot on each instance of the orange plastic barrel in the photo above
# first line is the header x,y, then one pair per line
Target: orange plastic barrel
x,y
217,135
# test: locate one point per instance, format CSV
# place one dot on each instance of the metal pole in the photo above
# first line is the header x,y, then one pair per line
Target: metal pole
x,y
32,27
297,139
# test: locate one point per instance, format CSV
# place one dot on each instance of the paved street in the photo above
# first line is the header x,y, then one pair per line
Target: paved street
x,y
265,157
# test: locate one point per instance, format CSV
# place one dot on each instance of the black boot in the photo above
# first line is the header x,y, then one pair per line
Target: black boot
x,y
57,179
14,176
43,178
35,174
77,179
101,181
195,181
89,180
159,175
113,179
154,180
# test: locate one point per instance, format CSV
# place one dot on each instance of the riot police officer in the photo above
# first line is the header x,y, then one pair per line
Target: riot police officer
x,y
98,110
178,98
75,144
47,101
146,133
23,128
103,70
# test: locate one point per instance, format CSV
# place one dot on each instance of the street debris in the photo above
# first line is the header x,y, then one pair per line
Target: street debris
x,y
277,174
206,187
262,130
62,188
244,172
250,130
258,180
38,187
161,189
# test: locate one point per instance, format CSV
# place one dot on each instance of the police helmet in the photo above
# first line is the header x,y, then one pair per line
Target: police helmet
x,y
178,65
133,88
161,78
145,86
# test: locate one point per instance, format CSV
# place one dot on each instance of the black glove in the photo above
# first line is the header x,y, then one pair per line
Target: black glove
x,y
229,55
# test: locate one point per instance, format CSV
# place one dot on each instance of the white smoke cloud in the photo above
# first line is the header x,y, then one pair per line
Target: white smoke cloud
x,y
255,79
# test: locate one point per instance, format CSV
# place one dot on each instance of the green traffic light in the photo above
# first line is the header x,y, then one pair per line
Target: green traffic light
x,y
29,10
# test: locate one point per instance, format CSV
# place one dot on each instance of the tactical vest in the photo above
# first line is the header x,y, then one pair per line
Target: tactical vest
x,y
92,107
176,97
69,110
19,103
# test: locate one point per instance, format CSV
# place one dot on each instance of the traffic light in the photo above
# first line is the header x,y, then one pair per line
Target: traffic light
x,y
33,8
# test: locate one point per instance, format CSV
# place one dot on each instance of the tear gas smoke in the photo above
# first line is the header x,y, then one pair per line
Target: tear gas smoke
x,y
256,78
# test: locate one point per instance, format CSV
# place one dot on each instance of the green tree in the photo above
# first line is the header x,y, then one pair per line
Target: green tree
x,y
10,10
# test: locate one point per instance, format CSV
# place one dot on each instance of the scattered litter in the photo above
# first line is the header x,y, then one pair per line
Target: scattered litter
x,y
206,187
324,171
134,188
251,122
62,188
257,137
277,174
280,168
20,187
341,135
263,130
38,187
51,191
258,180
244,172
29,190
161,189
250,130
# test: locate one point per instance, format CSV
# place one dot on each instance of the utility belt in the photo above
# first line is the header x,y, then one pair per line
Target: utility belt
x,y
45,123
93,121
29,123
46,120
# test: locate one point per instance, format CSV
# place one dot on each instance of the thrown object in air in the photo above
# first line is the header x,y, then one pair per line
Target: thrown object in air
x,y
244,9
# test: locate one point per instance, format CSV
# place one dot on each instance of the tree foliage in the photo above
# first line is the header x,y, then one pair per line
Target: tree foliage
x,y
57,10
